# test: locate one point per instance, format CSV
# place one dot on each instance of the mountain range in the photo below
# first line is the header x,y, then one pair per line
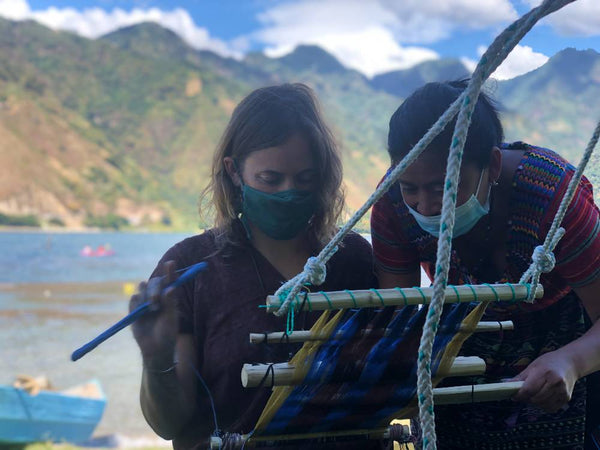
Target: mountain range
x,y
119,131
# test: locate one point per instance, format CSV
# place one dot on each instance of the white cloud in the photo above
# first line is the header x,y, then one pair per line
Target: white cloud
x,y
444,16
520,61
378,35
581,18
469,63
95,22
371,51
14,9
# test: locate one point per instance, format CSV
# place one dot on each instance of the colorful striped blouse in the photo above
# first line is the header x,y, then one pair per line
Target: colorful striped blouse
x,y
539,183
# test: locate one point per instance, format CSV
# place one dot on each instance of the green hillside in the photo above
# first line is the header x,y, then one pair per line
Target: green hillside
x,y
555,105
119,131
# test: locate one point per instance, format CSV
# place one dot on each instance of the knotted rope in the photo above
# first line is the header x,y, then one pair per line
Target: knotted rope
x,y
543,259
466,102
497,52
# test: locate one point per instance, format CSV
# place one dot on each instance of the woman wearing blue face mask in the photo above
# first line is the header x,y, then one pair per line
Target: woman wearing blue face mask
x,y
506,201
276,196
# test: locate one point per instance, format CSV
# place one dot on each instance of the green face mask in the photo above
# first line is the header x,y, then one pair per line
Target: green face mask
x,y
280,216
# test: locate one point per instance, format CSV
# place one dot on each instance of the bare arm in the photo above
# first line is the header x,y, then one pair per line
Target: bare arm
x,y
168,399
391,280
169,386
549,379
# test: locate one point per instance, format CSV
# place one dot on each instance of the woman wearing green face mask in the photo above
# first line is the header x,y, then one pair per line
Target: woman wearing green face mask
x,y
276,195
507,198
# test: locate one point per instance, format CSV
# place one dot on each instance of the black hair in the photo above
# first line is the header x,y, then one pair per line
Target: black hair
x,y
421,110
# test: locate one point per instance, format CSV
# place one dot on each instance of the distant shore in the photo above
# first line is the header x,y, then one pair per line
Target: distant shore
x,y
63,230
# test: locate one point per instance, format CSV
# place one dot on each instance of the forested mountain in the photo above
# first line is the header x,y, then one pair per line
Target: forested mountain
x,y
402,82
119,131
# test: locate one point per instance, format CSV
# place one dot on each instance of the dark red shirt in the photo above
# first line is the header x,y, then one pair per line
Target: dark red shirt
x,y
221,308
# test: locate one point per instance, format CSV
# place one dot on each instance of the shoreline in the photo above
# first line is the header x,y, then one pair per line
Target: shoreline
x,y
61,230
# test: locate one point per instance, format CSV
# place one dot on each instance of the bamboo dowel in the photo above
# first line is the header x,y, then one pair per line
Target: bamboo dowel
x,y
304,336
318,301
476,393
283,374
379,433
441,396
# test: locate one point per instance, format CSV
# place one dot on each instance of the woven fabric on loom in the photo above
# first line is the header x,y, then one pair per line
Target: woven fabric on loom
x,y
358,381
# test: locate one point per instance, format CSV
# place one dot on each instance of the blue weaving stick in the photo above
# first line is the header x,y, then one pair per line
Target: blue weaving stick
x,y
135,314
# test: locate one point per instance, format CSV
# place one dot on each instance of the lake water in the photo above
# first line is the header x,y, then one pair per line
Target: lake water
x,y
53,300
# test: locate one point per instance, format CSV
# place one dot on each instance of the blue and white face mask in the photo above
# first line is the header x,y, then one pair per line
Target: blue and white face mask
x,y
465,217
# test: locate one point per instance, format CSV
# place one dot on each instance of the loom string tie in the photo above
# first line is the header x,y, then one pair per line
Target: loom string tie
x,y
423,296
455,292
349,292
270,370
496,296
378,295
289,322
514,294
473,291
217,431
324,294
403,295
305,301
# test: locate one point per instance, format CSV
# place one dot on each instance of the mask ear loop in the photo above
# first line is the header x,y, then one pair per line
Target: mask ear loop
x,y
241,187
479,183
488,199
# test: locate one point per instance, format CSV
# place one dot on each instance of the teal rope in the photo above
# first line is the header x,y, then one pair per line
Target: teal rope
x,y
403,295
528,286
420,291
324,294
456,292
514,295
473,291
493,290
289,323
352,297
378,295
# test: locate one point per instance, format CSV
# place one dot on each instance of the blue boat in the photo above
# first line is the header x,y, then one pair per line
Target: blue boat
x,y
50,416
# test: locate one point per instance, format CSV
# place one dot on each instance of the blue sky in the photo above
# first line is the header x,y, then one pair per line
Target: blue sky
x,y
372,36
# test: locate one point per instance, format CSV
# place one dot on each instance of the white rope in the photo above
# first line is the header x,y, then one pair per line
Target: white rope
x,y
500,48
492,58
543,259
292,287
488,63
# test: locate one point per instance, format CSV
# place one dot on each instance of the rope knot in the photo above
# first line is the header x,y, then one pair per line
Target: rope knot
x,y
544,261
315,270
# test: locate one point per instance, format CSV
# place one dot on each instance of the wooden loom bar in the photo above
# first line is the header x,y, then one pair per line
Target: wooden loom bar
x,y
441,396
283,374
371,298
279,337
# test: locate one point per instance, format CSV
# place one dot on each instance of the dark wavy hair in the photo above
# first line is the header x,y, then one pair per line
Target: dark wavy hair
x,y
422,108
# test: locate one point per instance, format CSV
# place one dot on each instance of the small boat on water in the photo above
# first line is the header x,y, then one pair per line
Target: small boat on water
x,y
101,250
50,416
